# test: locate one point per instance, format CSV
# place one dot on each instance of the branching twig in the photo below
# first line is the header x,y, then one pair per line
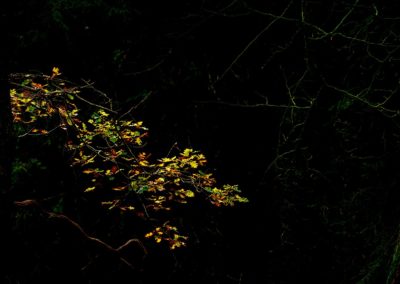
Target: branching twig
x,y
93,240
264,105
148,69
252,42
96,105
137,105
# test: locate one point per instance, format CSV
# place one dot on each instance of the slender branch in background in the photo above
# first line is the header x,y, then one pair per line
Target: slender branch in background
x,y
148,69
246,48
134,107
263,105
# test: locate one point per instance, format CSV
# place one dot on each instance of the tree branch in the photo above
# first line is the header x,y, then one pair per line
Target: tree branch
x,y
90,239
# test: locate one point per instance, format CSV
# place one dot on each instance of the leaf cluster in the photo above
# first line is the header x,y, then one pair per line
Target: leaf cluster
x,y
109,152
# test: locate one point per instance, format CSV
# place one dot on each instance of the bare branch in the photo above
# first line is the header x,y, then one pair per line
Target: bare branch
x,y
96,105
264,105
252,42
75,226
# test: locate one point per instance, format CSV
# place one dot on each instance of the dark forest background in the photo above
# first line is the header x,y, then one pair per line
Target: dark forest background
x,y
295,101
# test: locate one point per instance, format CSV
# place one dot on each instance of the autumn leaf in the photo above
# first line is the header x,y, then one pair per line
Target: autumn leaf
x,y
187,152
138,124
193,164
113,147
88,171
39,131
55,72
89,189
120,188
37,85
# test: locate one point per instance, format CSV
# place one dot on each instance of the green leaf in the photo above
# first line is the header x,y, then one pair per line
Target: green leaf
x,y
113,139
143,189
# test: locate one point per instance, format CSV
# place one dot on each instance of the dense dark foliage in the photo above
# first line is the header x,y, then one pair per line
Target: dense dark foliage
x,y
296,101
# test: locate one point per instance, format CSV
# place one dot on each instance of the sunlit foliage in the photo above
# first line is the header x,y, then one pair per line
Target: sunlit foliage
x,y
110,150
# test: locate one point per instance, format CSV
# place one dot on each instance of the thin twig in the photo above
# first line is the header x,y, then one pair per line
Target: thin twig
x,y
99,243
252,42
138,104
148,69
96,105
264,105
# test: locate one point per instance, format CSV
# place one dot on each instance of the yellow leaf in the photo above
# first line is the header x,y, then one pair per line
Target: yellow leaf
x,y
91,160
84,127
189,193
167,160
160,180
103,113
187,152
130,208
88,171
193,164
90,189
56,71
138,124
